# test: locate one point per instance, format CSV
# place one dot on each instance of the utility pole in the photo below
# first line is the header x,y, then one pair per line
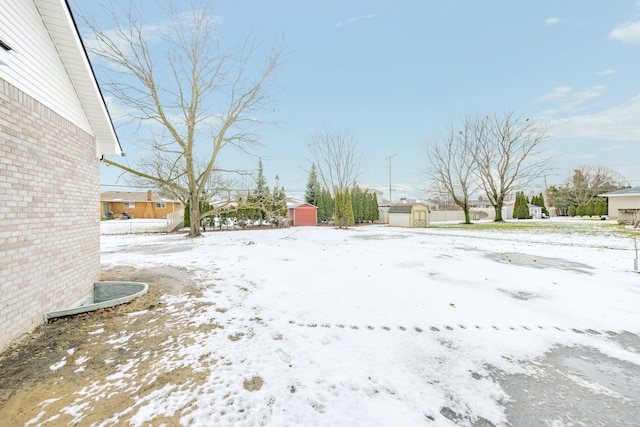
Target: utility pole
x,y
389,158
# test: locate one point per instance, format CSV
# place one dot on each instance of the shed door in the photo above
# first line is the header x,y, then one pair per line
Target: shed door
x,y
420,219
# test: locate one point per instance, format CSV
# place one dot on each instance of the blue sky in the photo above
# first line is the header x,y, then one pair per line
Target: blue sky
x,y
397,74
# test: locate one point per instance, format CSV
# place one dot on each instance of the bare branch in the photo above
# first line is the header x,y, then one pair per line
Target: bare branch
x,y
175,76
507,156
336,157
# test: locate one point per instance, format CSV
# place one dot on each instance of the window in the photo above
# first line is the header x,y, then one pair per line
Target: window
x,y
161,205
129,205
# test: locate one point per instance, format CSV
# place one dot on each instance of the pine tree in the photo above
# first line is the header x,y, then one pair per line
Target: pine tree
x,y
311,193
343,209
338,209
366,207
356,204
259,200
348,207
581,210
521,206
571,211
321,213
591,208
543,204
601,207
277,210
374,209
328,204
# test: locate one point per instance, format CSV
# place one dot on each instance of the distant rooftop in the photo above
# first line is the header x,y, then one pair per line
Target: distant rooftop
x,y
634,191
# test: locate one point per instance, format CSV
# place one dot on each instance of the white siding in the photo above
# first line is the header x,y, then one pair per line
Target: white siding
x,y
34,65
400,219
618,203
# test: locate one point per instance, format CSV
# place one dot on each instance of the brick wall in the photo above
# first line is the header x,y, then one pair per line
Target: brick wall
x,y
49,213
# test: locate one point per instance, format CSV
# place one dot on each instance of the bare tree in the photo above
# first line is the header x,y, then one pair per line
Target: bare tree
x,y
176,77
507,156
451,165
588,181
336,157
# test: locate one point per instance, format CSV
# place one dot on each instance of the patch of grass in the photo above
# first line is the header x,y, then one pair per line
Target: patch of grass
x,y
587,226
62,345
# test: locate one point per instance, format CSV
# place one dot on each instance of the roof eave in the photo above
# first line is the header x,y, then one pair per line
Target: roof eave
x,y
62,27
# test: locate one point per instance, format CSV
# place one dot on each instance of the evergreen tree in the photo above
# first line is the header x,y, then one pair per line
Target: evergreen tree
x,y
521,206
366,207
581,210
591,208
517,211
311,193
343,209
542,204
328,204
374,210
259,200
571,211
356,204
348,207
321,212
602,207
338,209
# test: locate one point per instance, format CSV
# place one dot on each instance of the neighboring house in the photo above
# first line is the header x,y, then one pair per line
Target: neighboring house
x,y
412,215
136,204
301,214
623,204
535,211
383,205
482,204
507,210
54,129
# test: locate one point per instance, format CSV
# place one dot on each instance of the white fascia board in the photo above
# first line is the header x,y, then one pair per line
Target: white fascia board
x,y
59,21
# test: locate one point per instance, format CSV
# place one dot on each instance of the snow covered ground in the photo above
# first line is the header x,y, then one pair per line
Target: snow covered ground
x,y
127,226
381,326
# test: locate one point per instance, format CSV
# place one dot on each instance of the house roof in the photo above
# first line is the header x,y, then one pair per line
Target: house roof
x,y
293,205
405,207
132,196
57,17
634,191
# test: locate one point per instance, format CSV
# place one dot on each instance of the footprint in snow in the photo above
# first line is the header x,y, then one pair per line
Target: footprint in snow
x,y
265,413
284,356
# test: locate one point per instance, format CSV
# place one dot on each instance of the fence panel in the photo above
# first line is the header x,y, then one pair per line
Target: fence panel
x,y
175,220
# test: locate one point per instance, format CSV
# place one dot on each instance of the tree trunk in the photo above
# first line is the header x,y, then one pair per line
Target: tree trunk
x,y
498,208
467,215
194,216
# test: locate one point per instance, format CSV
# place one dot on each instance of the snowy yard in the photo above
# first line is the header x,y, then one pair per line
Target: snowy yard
x,y
380,326
144,225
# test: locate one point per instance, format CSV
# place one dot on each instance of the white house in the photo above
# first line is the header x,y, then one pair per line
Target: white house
x,y
623,204
535,211
54,128
507,210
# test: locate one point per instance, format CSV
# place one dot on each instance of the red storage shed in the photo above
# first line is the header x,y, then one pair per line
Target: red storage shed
x,y
303,214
